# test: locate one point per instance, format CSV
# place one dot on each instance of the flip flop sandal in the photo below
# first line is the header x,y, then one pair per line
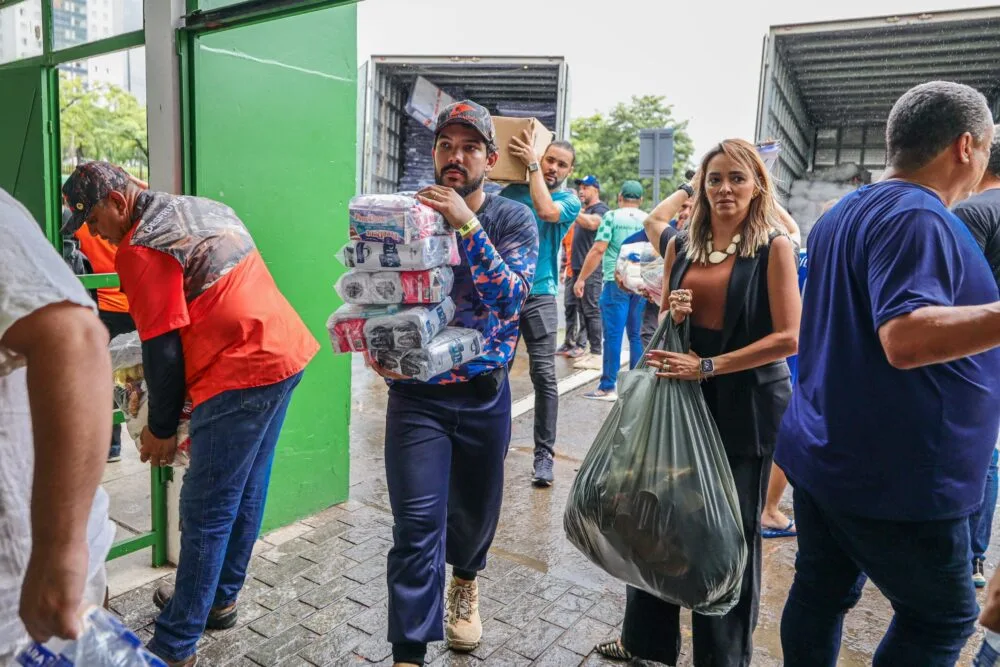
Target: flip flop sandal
x,y
787,531
613,650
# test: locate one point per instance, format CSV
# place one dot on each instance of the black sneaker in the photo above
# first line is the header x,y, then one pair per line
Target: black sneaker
x,y
218,618
978,573
543,470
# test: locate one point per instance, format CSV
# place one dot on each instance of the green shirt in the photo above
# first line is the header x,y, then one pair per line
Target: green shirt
x,y
616,226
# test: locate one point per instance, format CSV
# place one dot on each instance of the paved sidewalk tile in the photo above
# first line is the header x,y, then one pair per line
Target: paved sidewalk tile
x,y
319,597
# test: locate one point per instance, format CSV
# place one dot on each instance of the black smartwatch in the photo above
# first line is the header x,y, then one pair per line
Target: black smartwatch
x,y
533,167
707,368
686,188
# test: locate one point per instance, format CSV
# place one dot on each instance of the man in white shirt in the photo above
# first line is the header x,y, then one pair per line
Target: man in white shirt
x,y
55,407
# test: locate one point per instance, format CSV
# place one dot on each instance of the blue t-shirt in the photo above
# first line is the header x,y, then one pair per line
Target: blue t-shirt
x,y
793,361
861,436
550,234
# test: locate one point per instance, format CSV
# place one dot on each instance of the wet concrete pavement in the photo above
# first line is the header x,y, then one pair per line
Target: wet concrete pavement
x,y
316,593
530,531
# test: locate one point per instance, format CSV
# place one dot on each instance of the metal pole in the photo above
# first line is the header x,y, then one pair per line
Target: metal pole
x,y
656,168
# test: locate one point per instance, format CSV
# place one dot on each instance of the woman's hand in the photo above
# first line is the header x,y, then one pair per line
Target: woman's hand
x,y
680,301
674,365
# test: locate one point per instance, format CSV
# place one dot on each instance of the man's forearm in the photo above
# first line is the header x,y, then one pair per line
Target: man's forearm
x,y
541,198
70,395
589,222
939,334
666,210
163,366
590,264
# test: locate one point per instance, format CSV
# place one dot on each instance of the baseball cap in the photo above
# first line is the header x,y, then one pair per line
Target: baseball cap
x,y
89,184
471,114
632,190
589,180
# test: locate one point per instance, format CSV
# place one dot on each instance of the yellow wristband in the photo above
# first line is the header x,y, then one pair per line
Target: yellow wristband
x,y
469,227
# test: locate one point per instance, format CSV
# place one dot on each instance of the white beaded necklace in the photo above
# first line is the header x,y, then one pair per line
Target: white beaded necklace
x,y
717,256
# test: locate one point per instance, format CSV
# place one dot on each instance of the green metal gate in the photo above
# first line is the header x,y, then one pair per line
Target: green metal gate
x,y
269,93
30,171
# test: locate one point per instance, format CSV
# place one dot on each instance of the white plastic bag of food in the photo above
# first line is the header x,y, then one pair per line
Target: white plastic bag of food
x,y
451,348
628,268
132,398
409,328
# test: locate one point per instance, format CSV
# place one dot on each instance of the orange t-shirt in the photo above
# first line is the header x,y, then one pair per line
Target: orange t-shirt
x,y
567,245
240,333
102,259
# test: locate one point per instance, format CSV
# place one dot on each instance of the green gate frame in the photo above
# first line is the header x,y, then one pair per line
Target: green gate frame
x,y
47,67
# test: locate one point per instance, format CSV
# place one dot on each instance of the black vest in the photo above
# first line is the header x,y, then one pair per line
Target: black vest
x,y
751,402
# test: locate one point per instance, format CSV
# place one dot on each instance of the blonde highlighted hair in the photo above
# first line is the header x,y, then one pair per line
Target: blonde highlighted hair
x,y
760,222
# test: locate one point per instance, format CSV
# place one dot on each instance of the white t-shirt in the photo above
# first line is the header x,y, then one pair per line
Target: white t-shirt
x,y
32,276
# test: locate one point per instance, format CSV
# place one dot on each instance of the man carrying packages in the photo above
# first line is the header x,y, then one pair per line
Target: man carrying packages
x,y
446,439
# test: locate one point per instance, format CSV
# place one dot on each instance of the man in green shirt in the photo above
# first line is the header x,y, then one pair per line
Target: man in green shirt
x,y
620,311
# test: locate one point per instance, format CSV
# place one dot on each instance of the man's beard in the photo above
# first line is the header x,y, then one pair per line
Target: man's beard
x,y
464,190
556,186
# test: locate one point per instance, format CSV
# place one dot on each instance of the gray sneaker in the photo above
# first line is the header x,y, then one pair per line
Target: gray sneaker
x,y
543,470
978,573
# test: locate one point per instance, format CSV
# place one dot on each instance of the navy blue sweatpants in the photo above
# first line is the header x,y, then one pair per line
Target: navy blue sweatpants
x,y
444,461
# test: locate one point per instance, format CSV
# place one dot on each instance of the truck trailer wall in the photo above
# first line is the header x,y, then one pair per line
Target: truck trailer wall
x,y
395,149
782,117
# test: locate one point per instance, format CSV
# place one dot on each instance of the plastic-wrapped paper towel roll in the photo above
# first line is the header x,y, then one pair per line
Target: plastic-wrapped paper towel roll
x,y
346,325
398,218
387,287
451,348
388,256
409,328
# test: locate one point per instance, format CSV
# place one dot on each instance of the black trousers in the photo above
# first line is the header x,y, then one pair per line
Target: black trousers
x,y
539,321
576,329
650,322
117,324
590,312
652,626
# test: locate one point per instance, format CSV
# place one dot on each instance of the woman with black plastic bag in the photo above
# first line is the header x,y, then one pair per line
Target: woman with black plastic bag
x,y
733,274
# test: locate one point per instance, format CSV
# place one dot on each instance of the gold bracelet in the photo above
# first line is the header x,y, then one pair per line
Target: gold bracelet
x,y
469,227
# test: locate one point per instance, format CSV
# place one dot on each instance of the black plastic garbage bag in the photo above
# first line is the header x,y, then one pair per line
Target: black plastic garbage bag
x,y
654,503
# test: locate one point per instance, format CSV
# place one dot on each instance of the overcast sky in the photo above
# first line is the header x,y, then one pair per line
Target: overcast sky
x,y
703,56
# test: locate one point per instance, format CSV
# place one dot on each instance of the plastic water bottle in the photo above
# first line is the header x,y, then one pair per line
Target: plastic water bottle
x,y
989,652
104,642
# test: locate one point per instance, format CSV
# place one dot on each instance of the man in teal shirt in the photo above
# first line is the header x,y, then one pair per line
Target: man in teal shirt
x,y
555,209
620,311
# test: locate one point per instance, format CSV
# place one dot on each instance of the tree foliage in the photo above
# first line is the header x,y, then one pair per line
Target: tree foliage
x,y
102,122
607,145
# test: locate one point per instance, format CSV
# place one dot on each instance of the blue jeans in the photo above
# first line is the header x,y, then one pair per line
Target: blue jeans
x,y
921,567
981,521
233,437
621,312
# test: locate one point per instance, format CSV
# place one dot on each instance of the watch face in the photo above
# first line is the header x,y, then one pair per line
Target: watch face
x,y
707,366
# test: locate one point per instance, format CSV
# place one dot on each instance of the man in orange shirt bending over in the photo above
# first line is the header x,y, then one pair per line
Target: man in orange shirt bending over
x,y
215,327
112,306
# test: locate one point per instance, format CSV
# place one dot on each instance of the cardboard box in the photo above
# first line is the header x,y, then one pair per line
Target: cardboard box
x,y
426,102
508,168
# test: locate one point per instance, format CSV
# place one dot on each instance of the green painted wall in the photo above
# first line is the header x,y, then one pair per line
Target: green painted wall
x,y
22,148
207,5
274,107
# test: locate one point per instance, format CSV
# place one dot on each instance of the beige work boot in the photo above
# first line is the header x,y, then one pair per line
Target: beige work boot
x,y
464,628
